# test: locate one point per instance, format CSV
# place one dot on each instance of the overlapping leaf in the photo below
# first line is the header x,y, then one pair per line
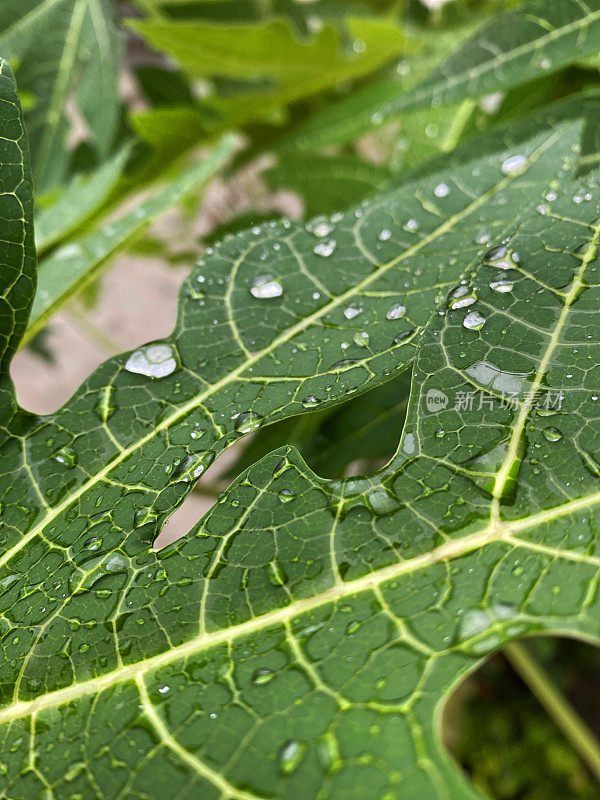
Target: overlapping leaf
x,y
64,51
300,641
272,65
532,40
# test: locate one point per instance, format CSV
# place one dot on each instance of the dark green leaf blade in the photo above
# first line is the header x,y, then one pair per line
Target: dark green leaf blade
x,y
304,626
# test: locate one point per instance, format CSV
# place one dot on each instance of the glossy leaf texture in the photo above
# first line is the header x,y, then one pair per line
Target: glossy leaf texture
x,y
64,52
300,641
534,39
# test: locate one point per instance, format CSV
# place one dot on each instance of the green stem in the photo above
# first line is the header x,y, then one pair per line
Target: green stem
x,y
556,706
92,332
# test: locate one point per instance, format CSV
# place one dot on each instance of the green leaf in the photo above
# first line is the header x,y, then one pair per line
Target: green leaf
x,y
71,267
276,67
327,184
301,640
537,38
80,199
17,253
62,50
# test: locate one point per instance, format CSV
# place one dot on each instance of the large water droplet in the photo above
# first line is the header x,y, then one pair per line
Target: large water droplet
x,y
264,287
153,360
248,421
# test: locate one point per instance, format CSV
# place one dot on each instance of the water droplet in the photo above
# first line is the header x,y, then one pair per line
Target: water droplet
x,y
441,190
496,253
474,321
104,407
66,456
325,249
396,311
276,573
262,676
385,235
285,495
290,755
503,286
264,287
164,689
411,225
361,338
247,421
382,502
153,360
352,311
311,401
462,297
552,434
514,165
320,226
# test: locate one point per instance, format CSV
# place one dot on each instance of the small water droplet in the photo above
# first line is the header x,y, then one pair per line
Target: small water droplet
x,y
385,235
320,227
290,755
361,338
474,321
276,573
514,165
502,285
496,253
247,421
462,297
311,401
552,434
396,311
262,676
441,190
285,495
66,456
325,249
352,311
